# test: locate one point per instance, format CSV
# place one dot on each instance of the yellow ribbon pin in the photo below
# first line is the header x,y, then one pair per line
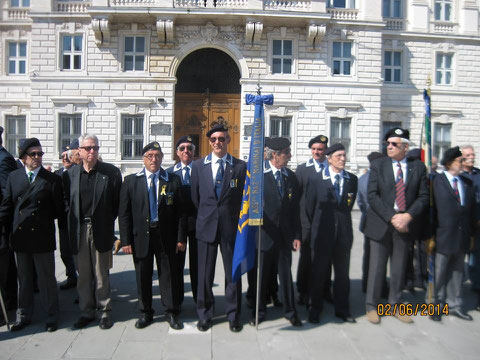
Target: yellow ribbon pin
x,y
164,189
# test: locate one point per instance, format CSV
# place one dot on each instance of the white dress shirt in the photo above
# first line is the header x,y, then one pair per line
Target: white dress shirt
x,y
215,166
461,190
35,173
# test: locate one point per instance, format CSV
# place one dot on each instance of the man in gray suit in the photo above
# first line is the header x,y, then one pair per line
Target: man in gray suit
x,y
397,195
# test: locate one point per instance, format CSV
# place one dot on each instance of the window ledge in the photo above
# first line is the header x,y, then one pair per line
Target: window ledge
x,y
128,101
70,100
344,105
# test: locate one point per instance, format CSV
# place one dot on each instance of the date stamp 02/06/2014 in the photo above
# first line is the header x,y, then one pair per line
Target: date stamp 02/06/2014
x,y
421,309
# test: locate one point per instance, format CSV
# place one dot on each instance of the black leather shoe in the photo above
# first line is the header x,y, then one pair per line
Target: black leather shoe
x,y
69,284
105,323
82,322
436,317
252,321
173,321
478,307
295,321
235,326
313,318
204,325
460,315
19,325
51,326
346,318
144,321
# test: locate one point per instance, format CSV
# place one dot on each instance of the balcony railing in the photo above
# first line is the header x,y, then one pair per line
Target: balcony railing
x,y
305,5
343,14
72,6
395,24
16,14
444,27
132,2
231,4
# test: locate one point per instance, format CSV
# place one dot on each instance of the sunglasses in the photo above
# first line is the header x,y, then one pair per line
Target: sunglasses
x,y
152,156
393,143
90,148
220,139
36,154
188,147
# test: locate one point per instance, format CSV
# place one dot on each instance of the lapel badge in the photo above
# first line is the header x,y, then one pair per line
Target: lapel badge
x,y
350,199
156,145
290,193
189,138
170,199
233,183
164,189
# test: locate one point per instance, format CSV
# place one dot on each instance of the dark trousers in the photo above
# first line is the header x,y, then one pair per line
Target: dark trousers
x,y
366,265
8,278
167,277
395,246
66,254
272,287
207,257
419,264
193,266
448,279
277,257
322,261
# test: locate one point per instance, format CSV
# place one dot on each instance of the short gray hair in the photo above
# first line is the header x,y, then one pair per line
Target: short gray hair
x,y
269,152
87,136
468,146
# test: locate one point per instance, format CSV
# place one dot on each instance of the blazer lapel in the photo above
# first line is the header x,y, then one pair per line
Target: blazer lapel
x,y
30,188
449,187
100,183
227,176
410,173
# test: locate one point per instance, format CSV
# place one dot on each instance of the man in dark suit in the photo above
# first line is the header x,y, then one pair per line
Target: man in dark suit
x,y
8,270
315,165
33,199
92,190
151,221
328,203
398,195
65,253
185,151
455,217
281,230
217,188
362,203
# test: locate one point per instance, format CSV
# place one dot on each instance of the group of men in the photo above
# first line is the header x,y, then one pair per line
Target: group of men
x,y
198,203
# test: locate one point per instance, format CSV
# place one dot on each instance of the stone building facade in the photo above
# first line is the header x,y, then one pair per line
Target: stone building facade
x,y
134,71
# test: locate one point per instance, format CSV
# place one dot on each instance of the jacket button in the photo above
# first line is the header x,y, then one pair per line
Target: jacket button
x,y
33,229
33,214
19,228
20,212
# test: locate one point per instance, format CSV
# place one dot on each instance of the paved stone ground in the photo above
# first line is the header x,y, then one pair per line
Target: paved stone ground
x,y
275,339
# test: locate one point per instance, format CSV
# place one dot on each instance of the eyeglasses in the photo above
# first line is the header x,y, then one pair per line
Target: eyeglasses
x,y
152,156
36,154
90,148
393,143
220,139
338,156
188,147
286,151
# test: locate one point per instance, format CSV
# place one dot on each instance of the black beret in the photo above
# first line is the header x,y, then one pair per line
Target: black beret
x,y
318,139
397,132
218,127
184,139
278,143
266,142
415,154
335,147
374,155
26,144
1,131
152,146
451,154
74,145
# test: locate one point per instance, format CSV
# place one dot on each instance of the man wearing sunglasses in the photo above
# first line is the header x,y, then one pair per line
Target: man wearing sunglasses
x,y
32,201
185,152
217,188
92,190
398,195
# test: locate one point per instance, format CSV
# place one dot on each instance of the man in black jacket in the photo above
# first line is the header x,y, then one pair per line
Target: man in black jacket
x,y
33,199
152,224
92,190
398,195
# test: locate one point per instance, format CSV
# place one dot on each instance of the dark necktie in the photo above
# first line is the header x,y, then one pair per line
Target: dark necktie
x,y
336,186
278,180
30,177
455,190
400,189
186,177
321,167
152,197
219,178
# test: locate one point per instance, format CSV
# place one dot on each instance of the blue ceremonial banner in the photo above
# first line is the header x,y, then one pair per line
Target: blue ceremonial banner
x,y
251,213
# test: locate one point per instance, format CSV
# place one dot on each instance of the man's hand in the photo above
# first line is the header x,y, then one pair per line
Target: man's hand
x,y
181,246
400,222
296,244
127,249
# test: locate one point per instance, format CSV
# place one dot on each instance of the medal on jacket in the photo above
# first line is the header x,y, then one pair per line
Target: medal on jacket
x,y
350,199
170,198
290,193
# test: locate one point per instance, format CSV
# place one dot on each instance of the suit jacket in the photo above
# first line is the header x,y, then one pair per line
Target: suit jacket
x,y
453,223
7,165
134,213
221,214
381,197
362,200
330,220
281,215
106,197
32,209
186,195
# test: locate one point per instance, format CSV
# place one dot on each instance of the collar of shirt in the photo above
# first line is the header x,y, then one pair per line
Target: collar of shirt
x,y
317,164
403,164
94,169
274,169
35,172
147,175
215,165
450,178
332,178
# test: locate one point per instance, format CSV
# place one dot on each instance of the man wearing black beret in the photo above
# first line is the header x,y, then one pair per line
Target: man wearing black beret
x,y
152,224
185,152
328,204
33,199
315,165
217,188
398,196
454,221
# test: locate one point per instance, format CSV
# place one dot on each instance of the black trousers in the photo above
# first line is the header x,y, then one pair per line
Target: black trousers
x,y
207,257
193,266
167,276
272,287
66,254
8,278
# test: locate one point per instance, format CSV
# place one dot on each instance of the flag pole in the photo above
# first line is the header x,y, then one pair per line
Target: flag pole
x,y
259,278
